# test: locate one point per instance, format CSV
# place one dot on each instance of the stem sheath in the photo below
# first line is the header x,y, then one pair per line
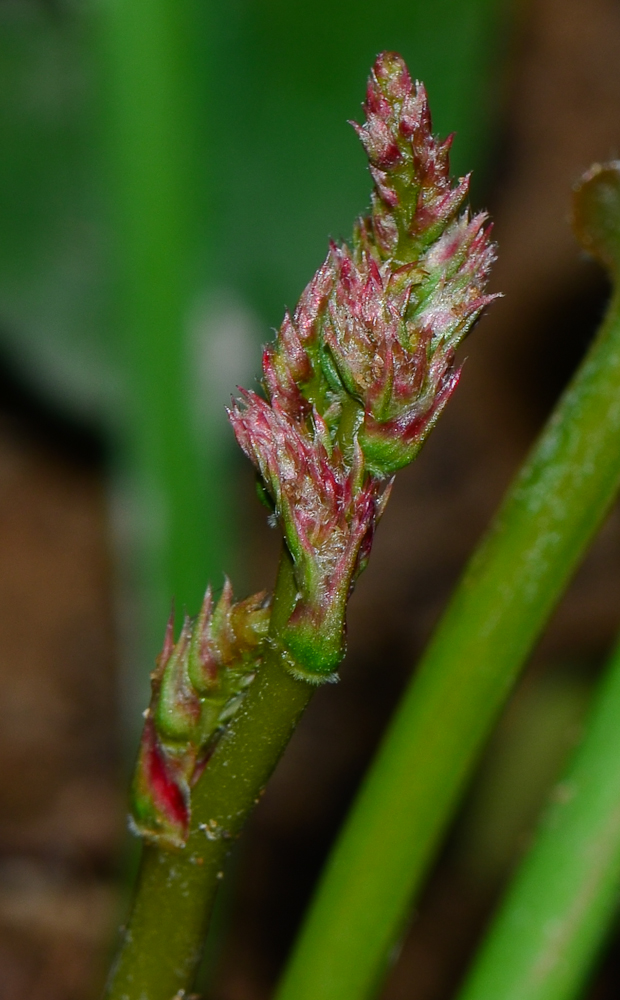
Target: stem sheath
x,y
496,615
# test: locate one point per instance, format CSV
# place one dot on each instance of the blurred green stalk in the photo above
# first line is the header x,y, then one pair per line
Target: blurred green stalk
x,y
505,597
153,96
563,898
559,907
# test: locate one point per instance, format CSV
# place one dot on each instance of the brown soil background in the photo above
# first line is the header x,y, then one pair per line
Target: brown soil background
x,y
61,800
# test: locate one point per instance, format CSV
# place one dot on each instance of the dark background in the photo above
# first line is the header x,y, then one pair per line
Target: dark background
x,y
543,102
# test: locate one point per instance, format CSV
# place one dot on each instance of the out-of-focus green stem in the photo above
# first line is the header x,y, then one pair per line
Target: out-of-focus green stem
x,y
557,911
154,116
162,942
505,597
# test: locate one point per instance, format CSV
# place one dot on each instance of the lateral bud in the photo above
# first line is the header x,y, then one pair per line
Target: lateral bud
x,y
197,686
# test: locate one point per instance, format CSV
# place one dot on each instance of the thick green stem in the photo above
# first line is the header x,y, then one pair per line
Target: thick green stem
x,y
488,630
162,942
559,907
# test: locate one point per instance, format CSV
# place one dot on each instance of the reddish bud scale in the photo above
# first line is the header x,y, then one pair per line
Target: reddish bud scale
x,y
160,793
359,374
197,686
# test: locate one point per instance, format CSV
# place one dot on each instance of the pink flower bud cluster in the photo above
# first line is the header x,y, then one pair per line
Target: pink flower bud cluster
x,y
360,372
391,333
414,199
196,688
327,508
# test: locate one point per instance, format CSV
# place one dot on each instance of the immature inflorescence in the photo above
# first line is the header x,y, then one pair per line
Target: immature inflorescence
x,y
354,381
196,686
360,372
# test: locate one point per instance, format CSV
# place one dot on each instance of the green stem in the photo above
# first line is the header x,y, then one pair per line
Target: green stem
x,y
496,614
559,907
162,942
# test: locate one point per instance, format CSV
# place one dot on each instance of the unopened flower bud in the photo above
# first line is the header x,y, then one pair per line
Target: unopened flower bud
x,y
197,686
